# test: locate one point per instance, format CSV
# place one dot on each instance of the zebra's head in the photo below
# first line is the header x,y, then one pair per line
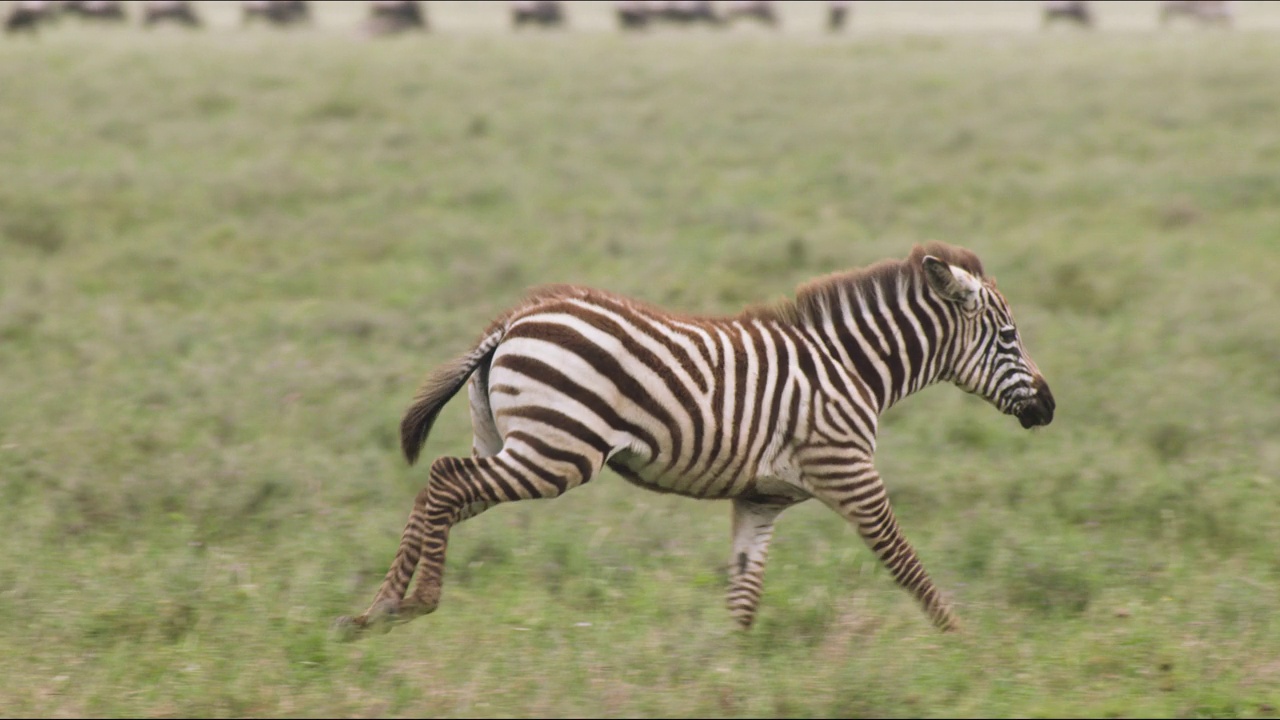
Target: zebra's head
x,y
988,358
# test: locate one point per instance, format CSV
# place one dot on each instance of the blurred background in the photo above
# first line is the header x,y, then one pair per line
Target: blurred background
x,y
235,236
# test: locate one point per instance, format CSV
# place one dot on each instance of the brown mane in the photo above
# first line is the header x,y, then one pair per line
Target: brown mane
x,y
546,294
821,292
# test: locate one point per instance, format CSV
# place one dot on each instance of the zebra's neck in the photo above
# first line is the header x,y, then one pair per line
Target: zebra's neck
x,y
884,329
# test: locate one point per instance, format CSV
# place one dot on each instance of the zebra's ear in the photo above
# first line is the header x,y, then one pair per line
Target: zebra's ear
x,y
952,283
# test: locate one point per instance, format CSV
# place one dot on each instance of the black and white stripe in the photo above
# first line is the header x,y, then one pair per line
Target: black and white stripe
x,y
768,408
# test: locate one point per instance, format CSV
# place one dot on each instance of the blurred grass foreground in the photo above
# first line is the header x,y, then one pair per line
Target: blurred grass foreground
x,y
228,255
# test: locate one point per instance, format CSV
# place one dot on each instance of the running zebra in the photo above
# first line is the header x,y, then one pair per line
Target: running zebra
x,y
768,408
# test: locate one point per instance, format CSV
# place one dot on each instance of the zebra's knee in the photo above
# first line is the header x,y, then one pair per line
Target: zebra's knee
x,y
450,488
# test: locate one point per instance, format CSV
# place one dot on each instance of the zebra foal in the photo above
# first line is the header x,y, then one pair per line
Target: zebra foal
x,y
768,408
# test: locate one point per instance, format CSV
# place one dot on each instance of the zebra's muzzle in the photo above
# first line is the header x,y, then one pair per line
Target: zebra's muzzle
x,y
1038,410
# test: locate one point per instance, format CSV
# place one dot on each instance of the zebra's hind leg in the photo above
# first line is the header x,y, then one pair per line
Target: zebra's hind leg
x,y
386,602
460,488
525,469
752,531
486,441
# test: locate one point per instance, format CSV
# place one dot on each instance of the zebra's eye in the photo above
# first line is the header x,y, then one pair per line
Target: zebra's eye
x,y
1008,335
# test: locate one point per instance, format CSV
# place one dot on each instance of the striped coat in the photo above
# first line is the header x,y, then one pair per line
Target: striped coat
x,y
768,408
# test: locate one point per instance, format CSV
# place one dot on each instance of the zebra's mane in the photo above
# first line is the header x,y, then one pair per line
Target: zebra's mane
x,y
811,297
545,294
815,295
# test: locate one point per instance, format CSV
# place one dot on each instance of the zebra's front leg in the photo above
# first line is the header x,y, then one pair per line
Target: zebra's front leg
x,y
858,494
752,531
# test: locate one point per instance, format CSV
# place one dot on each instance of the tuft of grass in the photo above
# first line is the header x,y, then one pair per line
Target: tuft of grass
x,y
33,225
1049,582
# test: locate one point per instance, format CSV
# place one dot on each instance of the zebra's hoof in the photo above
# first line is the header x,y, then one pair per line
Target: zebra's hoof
x,y
346,629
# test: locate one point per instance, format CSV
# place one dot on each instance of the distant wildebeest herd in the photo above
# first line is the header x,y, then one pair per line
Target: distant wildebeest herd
x,y
386,17
1079,12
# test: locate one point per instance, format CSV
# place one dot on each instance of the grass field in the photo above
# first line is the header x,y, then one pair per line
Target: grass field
x,y
228,257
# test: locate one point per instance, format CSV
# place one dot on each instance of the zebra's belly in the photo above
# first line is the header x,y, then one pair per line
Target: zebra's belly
x,y
652,475
702,483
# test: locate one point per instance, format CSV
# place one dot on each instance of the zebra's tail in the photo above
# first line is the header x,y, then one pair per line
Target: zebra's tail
x,y
441,385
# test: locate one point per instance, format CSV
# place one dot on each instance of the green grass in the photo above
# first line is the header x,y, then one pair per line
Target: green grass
x,y
228,257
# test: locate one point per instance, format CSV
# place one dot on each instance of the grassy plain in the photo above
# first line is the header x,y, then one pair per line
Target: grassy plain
x,y
227,258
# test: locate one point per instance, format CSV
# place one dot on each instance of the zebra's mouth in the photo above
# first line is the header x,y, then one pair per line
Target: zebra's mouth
x,y
1038,409
1032,417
